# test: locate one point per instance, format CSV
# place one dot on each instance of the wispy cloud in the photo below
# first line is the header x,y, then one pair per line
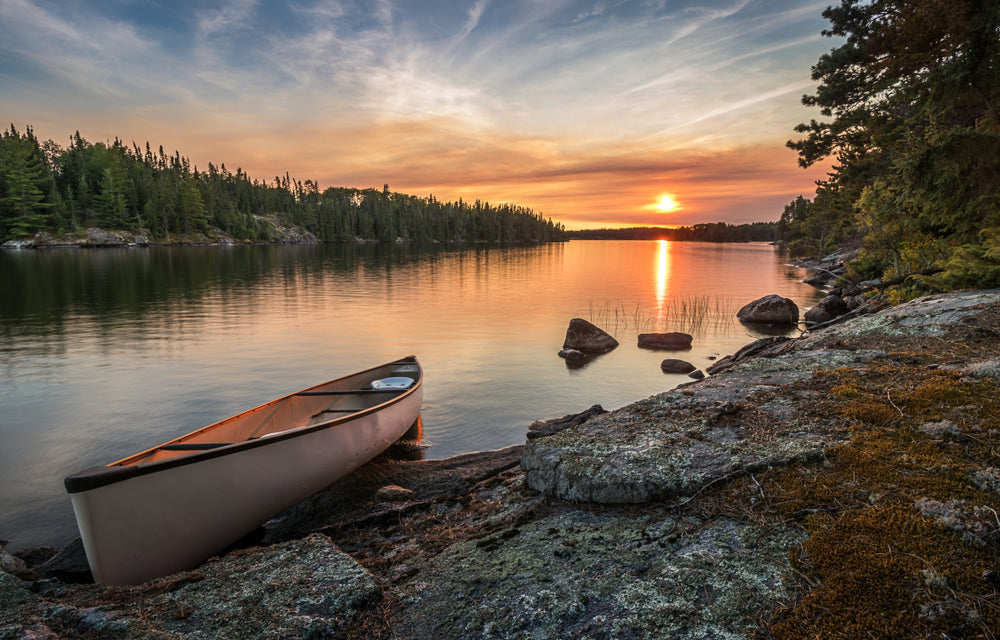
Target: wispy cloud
x,y
554,101
232,15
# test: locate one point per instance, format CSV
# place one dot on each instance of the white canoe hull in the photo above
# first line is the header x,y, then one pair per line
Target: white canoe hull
x,y
172,518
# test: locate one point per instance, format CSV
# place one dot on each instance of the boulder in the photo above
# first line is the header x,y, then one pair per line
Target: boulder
x,y
827,309
69,565
671,365
584,336
673,341
772,309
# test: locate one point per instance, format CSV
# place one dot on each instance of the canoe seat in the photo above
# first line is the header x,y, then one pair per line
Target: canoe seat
x,y
397,383
194,446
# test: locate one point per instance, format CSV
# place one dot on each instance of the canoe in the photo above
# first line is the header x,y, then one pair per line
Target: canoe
x,y
168,508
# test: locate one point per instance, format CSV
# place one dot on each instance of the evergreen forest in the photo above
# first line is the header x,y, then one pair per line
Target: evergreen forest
x,y
909,122
44,187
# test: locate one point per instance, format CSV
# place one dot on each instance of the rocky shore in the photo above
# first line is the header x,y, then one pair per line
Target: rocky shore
x,y
843,484
94,237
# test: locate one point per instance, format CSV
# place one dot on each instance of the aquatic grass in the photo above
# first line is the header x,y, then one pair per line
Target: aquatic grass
x,y
679,313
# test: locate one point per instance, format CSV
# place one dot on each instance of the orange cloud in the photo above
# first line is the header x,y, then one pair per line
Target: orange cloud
x,y
609,186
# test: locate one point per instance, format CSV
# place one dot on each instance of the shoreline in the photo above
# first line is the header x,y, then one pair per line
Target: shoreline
x,y
745,486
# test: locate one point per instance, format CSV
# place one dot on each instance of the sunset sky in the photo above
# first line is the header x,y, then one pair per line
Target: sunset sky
x,y
588,112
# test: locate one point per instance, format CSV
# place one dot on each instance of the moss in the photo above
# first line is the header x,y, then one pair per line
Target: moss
x,y
902,520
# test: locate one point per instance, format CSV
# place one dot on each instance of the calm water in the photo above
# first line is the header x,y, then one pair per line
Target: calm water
x,y
106,352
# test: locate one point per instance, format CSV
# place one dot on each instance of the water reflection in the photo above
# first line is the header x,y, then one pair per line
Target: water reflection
x,y
662,274
107,351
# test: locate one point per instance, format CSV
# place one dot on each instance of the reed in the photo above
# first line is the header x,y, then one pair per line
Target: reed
x,y
690,314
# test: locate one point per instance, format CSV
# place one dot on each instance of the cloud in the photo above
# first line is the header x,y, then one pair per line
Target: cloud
x,y
232,16
577,108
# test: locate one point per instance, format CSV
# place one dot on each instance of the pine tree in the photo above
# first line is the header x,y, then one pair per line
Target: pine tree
x,y
23,184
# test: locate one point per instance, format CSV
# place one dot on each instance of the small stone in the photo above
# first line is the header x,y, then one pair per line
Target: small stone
x,y
670,365
721,365
697,374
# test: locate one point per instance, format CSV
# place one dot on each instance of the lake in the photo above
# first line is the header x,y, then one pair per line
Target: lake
x,y
109,351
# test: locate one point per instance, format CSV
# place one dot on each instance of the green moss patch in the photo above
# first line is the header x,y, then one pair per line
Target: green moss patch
x,y
904,536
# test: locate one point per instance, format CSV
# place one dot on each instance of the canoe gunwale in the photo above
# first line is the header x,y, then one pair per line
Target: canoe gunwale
x,y
102,475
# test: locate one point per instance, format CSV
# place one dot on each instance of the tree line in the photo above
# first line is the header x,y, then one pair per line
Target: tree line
x,y
909,106
705,232
44,187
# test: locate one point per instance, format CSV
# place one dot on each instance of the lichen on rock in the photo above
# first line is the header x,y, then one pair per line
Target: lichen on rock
x,y
603,574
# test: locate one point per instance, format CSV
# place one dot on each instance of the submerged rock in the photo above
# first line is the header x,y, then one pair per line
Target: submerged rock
x,y
772,309
588,338
673,341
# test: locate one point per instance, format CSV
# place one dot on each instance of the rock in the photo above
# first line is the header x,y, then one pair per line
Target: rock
x,y
542,428
763,347
818,279
572,355
772,309
69,565
630,456
670,365
696,374
720,365
584,336
826,309
305,588
393,493
37,555
673,341
12,564
581,573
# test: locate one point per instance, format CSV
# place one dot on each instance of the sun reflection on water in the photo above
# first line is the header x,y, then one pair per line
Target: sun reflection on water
x,y
662,274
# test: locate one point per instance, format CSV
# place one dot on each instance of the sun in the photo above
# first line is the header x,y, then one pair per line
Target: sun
x,y
666,203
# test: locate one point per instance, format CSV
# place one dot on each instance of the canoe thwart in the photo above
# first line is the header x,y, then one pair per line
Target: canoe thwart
x,y
319,413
